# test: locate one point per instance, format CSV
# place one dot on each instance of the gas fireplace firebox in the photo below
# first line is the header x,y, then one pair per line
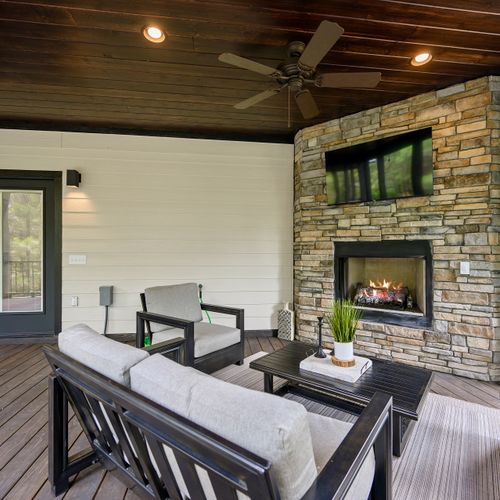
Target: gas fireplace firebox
x,y
391,281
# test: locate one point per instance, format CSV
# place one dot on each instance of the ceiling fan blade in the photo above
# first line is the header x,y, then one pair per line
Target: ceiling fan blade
x,y
242,62
320,44
258,98
306,103
349,80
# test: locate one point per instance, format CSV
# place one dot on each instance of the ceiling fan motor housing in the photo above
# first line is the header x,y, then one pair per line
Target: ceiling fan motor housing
x,y
291,72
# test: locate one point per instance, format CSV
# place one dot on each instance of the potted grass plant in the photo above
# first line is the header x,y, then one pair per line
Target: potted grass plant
x,y
343,320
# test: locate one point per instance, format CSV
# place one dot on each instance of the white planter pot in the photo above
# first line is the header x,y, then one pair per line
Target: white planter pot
x,y
344,351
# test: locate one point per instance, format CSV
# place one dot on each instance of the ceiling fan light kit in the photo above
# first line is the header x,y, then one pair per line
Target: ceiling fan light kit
x,y
299,70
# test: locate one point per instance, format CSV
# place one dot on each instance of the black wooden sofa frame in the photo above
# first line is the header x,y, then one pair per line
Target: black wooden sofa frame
x,y
209,362
139,423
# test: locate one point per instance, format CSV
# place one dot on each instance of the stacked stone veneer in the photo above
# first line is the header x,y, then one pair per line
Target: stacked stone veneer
x,y
460,219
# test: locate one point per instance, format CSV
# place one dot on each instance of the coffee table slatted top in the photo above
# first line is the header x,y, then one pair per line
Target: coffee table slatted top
x,y
406,384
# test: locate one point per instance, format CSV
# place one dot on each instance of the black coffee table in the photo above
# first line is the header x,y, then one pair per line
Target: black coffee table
x,y
407,385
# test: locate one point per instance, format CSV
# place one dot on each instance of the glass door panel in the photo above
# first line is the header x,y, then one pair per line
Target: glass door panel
x,y
22,251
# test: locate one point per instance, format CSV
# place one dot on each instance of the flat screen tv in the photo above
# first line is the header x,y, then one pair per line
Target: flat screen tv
x,y
393,167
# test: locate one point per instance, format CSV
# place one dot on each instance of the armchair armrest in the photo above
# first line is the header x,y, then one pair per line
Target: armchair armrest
x,y
163,320
233,311
187,326
169,346
372,429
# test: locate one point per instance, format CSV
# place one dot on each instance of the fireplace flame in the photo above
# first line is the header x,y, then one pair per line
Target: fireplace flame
x,y
385,284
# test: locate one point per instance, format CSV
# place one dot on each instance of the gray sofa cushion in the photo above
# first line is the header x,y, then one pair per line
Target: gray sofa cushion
x,y
327,434
165,382
208,337
273,428
106,356
179,301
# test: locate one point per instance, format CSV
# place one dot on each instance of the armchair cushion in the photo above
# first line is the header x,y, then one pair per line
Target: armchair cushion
x,y
208,337
327,434
178,301
273,428
106,356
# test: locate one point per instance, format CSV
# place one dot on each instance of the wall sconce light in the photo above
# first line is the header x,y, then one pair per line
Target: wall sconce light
x,y
73,178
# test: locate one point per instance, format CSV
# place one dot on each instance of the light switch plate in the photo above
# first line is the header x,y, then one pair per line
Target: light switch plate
x,y
77,260
464,267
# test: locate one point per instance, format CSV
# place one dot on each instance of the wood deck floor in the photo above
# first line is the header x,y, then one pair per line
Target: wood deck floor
x,y
23,424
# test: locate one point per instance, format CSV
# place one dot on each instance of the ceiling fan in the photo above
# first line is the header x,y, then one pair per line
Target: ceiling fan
x,y
299,69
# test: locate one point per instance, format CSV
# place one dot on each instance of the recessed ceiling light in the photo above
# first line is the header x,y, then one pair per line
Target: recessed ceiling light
x,y
421,59
154,34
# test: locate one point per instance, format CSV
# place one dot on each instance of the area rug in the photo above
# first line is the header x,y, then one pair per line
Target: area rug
x,y
453,453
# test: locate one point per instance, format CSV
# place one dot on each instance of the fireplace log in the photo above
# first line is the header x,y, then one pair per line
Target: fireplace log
x,y
381,297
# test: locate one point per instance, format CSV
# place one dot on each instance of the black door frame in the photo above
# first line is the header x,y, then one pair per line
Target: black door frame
x,y
53,231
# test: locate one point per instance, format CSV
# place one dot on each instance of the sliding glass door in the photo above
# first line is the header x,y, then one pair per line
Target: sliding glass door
x,y
30,245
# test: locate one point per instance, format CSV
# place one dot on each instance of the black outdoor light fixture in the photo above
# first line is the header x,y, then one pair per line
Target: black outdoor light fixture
x,y
73,178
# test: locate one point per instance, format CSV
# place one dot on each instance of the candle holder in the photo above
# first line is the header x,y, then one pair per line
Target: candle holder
x,y
320,353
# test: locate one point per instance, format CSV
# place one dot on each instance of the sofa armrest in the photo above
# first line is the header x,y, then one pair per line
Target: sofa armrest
x,y
233,311
372,429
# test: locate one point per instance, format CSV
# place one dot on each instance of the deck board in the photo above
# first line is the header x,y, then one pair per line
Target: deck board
x,y
17,435
18,403
15,358
23,424
24,386
110,487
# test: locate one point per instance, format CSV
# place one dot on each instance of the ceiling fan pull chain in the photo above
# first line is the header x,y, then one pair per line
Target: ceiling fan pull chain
x,y
289,124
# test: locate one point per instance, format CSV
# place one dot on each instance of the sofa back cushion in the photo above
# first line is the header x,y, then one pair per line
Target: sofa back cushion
x,y
179,301
165,382
106,356
271,427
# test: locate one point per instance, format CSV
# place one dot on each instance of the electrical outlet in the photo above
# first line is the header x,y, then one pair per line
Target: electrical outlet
x,y
465,267
74,301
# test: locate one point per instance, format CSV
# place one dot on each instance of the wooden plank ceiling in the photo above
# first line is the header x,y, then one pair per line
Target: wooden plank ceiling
x,y
84,64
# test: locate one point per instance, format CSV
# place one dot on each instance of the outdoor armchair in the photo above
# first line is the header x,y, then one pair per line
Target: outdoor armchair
x,y
175,311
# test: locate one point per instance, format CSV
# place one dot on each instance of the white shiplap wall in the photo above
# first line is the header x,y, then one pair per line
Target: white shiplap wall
x,y
154,211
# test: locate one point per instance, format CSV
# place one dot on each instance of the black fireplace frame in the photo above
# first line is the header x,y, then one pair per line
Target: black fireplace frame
x,y
386,249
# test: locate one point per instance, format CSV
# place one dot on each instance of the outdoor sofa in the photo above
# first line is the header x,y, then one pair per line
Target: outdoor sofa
x,y
171,431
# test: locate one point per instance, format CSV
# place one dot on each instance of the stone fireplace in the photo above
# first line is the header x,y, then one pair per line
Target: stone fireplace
x,y
390,281
439,252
